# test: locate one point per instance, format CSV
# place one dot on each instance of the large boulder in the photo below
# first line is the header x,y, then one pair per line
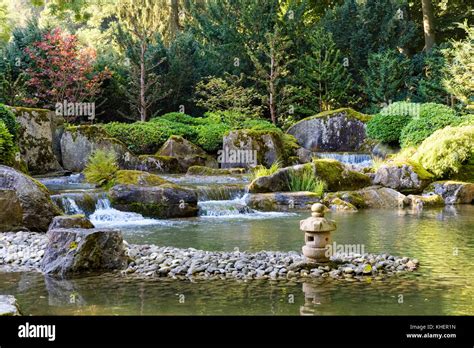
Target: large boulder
x,y
36,206
404,176
77,251
206,171
164,201
453,192
70,221
335,174
9,306
38,137
155,164
11,213
338,130
369,197
186,153
282,201
79,142
246,148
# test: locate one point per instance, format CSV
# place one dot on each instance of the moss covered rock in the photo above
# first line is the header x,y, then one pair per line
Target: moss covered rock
x,y
200,170
246,148
403,175
336,130
369,197
338,177
163,202
137,177
338,204
282,201
11,213
186,153
429,200
352,197
452,192
70,221
79,142
38,139
36,206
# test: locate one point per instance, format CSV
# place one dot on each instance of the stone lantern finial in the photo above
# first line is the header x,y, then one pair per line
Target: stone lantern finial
x,y
317,234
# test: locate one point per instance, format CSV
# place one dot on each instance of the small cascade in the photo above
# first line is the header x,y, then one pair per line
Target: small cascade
x,y
106,216
220,192
236,208
61,183
77,202
70,206
355,159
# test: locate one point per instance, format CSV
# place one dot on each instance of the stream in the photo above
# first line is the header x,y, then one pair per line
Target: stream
x,y
441,239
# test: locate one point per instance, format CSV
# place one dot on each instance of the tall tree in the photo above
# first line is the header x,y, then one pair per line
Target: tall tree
x,y
271,62
141,19
428,24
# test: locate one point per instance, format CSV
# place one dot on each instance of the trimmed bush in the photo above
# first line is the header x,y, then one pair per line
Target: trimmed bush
x,y
210,136
432,117
387,127
101,168
10,121
7,146
446,150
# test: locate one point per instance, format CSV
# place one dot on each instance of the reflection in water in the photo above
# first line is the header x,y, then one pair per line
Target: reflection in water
x,y
441,239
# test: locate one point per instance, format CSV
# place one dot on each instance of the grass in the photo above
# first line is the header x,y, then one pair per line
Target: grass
x,y
305,180
260,170
101,168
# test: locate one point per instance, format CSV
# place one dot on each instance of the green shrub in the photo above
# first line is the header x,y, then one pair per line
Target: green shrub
x,y
444,152
7,146
210,136
305,180
101,168
10,121
147,137
260,170
387,127
432,117
179,117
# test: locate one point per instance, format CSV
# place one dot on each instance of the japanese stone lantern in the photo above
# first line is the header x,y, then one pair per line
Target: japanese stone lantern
x,y
317,234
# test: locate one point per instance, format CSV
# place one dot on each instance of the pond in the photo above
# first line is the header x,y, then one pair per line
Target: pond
x,y
441,239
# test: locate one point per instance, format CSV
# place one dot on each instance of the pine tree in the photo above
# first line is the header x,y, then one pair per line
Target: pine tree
x,y
322,74
140,19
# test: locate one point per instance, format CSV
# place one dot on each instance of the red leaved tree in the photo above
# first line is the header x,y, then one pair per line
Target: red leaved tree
x,y
62,71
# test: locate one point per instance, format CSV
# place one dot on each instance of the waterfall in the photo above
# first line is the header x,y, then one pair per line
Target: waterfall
x,y
358,159
106,216
234,208
70,206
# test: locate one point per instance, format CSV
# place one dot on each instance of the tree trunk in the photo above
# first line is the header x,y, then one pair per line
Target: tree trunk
x,y
428,24
271,100
174,20
143,110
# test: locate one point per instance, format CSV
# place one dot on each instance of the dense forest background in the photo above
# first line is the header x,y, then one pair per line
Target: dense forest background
x,y
281,60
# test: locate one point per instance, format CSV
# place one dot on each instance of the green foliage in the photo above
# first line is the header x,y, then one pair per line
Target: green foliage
x,y
210,136
402,108
446,150
432,117
7,116
7,146
260,170
459,68
387,128
305,180
101,168
385,76
228,94
325,83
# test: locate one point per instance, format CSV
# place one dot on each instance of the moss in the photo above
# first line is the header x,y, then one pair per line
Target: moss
x,y
136,177
89,131
465,174
201,170
340,205
348,111
40,115
428,201
352,197
337,177
422,173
